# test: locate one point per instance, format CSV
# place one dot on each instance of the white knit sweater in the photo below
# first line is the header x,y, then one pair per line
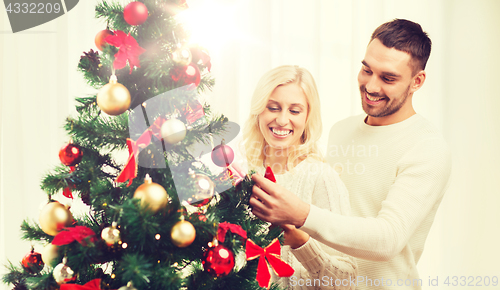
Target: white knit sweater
x,y
317,183
396,176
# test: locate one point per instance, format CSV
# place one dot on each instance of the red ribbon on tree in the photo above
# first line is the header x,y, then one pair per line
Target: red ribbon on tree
x,y
193,111
91,285
129,172
272,254
225,226
129,50
77,233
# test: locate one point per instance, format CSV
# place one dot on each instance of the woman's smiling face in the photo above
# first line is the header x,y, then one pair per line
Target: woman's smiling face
x,y
283,121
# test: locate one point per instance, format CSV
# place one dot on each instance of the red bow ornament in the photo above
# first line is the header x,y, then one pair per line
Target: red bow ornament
x,y
272,254
92,285
77,233
225,226
129,50
129,172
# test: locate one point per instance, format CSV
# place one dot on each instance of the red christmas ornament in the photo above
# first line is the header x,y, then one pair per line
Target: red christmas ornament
x,y
70,154
269,174
218,261
189,74
32,262
222,155
100,38
135,13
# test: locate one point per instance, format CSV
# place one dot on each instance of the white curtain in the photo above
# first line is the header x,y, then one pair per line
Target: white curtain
x,y
38,82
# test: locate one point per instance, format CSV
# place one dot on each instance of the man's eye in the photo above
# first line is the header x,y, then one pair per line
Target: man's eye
x,y
388,80
367,71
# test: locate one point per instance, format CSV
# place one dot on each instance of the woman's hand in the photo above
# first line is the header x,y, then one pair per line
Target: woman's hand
x,y
294,237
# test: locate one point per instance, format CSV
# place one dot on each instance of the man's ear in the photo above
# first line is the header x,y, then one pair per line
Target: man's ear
x,y
417,81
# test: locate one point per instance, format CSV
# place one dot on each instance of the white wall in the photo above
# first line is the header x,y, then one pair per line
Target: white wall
x,y
38,81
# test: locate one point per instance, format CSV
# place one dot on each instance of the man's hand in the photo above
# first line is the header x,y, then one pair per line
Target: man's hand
x,y
272,203
294,237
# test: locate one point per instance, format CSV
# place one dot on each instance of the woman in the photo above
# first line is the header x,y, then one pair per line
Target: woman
x,y
282,133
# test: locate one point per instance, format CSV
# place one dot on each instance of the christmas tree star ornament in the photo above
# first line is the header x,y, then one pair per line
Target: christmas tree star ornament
x,y
32,262
111,235
62,273
113,98
152,195
54,217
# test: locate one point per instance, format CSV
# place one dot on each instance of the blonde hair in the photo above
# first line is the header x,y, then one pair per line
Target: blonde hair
x,y
254,143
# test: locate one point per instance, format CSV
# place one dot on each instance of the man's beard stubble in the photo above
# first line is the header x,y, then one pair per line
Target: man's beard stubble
x,y
389,109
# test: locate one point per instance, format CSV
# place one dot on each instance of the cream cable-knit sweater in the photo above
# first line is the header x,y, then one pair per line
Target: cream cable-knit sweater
x,y
396,176
317,183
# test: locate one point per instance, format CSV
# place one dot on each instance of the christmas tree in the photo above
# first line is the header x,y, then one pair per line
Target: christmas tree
x,y
159,219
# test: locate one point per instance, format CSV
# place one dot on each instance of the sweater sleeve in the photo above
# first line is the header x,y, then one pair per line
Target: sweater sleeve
x,y
421,179
331,194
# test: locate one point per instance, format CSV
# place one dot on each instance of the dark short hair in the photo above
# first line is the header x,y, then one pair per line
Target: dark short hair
x,y
407,36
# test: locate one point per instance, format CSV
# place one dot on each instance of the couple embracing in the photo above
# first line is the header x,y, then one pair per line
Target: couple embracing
x,y
345,229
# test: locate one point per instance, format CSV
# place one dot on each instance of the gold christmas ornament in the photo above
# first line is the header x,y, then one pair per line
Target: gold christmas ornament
x,y
152,195
113,98
128,287
203,187
182,56
54,217
49,253
173,131
111,235
183,234
62,273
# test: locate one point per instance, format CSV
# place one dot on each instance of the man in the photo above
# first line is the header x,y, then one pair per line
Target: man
x,y
394,163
